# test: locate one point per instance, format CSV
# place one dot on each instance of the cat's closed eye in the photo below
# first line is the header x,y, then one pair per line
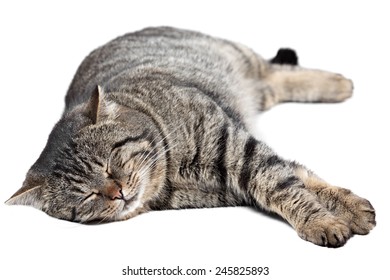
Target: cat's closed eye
x,y
107,172
92,196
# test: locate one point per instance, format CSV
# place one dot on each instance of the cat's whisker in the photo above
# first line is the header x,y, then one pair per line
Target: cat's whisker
x,y
86,218
107,214
163,151
146,155
157,155
147,167
107,217
150,152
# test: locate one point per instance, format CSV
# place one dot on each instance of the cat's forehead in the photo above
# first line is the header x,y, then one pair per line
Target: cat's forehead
x,y
104,131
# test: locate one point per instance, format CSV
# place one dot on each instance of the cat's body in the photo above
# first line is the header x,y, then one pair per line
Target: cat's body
x,y
160,119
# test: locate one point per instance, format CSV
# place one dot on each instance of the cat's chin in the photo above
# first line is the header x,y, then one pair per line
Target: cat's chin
x,y
131,206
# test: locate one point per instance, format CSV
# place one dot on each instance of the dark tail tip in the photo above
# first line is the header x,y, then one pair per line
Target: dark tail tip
x,y
285,56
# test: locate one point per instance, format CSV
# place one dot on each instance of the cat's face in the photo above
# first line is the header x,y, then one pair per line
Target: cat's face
x,y
93,171
100,178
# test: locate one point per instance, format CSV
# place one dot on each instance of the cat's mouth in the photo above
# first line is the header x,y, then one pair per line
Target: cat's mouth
x,y
131,200
132,203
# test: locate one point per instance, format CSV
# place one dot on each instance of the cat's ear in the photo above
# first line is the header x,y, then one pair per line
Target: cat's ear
x,y
98,108
94,104
30,193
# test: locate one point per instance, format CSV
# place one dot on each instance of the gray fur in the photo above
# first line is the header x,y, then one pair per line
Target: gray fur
x,y
160,119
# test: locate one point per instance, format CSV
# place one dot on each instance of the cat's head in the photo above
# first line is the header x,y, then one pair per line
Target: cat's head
x,y
96,166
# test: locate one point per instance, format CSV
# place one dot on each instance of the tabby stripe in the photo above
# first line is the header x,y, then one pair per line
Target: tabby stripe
x,y
222,197
69,177
86,163
211,94
68,154
78,191
57,174
221,153
274,160
97,162
313,212
297,203
288,182
279,192
198,133
267,163
244,179
130,139
295,199
82,172
69,170
73,217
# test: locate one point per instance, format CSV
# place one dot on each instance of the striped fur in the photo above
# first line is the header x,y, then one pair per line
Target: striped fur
x,y
160,119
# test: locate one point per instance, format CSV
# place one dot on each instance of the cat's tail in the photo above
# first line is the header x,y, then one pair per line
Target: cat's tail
x,y
285,56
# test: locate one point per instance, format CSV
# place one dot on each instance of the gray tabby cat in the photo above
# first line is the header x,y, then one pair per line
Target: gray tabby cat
x,y
160,119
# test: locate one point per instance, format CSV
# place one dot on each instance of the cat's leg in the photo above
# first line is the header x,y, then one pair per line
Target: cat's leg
x,y
270,184
249,173
320,213
232,168
356,211
292,83
273,184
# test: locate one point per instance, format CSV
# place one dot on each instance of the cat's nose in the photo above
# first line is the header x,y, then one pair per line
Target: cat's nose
x,y
113,191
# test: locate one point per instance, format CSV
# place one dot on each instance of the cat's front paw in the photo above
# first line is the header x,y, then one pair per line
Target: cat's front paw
x,y
359,213
326,231
356,211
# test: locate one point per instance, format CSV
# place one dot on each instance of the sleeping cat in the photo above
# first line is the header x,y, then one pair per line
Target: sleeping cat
x,y
160,119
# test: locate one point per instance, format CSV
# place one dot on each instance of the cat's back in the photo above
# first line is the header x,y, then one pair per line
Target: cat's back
x,y
179,56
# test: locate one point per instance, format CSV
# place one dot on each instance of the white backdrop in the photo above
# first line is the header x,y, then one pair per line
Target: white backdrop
x,y
42,43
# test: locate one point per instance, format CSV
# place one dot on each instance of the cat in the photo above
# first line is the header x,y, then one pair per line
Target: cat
x,y
161,119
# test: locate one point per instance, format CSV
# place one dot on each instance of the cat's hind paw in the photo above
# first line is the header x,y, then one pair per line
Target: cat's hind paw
x,y
335,88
